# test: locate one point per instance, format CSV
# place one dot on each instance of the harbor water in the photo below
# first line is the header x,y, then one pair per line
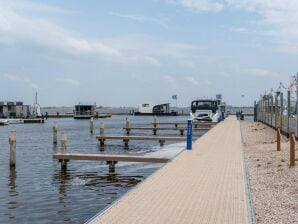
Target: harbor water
x,y
36,191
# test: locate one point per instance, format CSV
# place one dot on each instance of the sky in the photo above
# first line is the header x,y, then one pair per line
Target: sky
x,y
124,53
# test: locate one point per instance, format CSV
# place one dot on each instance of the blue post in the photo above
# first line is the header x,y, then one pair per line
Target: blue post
x,y
189,134
222,115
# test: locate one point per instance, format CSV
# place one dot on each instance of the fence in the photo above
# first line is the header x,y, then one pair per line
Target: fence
x,y
277,112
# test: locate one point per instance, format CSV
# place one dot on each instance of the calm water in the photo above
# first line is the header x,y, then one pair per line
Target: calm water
x,y
37,192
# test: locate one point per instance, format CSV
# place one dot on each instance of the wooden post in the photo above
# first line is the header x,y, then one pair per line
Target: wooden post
x,y
292,149
271,110
101,129
154,121
181,132
63,149
102,133
154,131
91,125
275,110
281,110
161,142
55,131
111,166
127,126
278,139
289,113
125,143
12,150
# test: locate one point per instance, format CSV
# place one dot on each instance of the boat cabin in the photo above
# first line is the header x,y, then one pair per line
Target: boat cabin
x,y
205,105
155,109
84,111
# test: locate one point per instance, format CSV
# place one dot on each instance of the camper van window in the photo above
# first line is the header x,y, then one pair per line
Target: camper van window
x,y
145,105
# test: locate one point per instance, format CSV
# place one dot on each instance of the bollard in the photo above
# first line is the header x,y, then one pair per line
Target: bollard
x,y
46,115
189,134
91,125
292,149
12,151
278,139
154,121
55,130
63,149
57,114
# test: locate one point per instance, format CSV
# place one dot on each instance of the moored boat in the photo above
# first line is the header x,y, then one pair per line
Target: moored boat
x,y
211,110
155,109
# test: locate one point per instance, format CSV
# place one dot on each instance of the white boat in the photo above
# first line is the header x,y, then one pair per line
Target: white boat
x,y
207,110
15,121
3,122
162,109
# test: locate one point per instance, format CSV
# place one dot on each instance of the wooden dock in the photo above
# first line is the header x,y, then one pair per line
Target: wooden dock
x,y
126,139
204,185
105,157
184,123
155,129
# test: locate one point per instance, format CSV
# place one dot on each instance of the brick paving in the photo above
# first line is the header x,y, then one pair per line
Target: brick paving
x,y
204,185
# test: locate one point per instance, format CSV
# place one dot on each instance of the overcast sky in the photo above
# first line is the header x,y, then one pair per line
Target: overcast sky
x,y
123,53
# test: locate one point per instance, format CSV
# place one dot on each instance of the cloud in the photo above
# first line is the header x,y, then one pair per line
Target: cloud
x,y
142,19
258,72
21,79
276,19
18,28
169,79
238,29
192,80
200,5
72,82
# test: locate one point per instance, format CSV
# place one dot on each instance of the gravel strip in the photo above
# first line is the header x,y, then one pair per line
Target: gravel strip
x,y
273,184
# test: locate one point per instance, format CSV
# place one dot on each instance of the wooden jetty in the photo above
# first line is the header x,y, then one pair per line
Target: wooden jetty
x,y
126,139
106,157
155,129
204,185
184,123
112,160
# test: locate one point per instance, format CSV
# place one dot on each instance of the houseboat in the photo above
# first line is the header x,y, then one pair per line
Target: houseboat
x,y
207,110
155,109
84,111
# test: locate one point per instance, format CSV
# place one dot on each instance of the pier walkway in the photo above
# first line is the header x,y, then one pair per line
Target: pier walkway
x,y
205,185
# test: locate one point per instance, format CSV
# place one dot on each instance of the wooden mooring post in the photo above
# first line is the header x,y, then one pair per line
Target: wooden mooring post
x,y
91,125
127,125
278,136
12,150
55,132
63,150
102,133
292,149
111,166
154,121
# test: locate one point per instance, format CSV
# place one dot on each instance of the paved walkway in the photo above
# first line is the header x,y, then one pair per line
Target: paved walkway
x,y
204,185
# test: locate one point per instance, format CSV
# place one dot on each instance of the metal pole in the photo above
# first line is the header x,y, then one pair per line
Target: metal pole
x,y
271,111
189,134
